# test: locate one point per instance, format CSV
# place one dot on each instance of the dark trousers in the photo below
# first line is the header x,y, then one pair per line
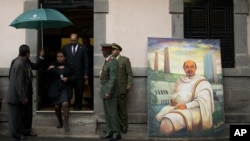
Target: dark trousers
x,y
122,110
111,116
91,88
15,121
91,81
78,87
28,114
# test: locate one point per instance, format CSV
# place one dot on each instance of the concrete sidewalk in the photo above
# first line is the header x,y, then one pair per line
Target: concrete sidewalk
x,y
136,132
7,138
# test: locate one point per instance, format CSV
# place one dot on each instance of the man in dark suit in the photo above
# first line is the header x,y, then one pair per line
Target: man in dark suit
x,y
77,60
19,93
90,50
110,93
125,82
28,108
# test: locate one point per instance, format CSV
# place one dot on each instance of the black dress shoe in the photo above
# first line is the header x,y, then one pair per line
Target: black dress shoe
x,y
30,134
106,136
23,137
124,130
115,138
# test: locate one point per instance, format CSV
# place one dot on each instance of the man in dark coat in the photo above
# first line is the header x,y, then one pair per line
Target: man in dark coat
x,y
110,93
28,108
90,50
77,60
19,95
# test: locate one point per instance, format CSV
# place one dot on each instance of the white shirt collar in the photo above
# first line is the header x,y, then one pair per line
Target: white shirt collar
x,y
75,48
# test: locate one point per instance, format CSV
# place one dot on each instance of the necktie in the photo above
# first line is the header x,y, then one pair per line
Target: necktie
x,y
74,50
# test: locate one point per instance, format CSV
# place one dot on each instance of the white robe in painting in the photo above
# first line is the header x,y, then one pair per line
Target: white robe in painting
x,y
197,94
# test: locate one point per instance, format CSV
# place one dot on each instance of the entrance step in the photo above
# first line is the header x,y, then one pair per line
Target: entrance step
x,y
81,125
135,131
4,128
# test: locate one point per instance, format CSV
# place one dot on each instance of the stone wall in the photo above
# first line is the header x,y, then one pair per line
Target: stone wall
x,y
31,39
3,89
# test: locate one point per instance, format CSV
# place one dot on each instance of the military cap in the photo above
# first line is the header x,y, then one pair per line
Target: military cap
x,y
116,46
106,46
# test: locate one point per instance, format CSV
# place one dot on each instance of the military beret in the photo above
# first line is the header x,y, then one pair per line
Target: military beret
x,y
116,46
106,46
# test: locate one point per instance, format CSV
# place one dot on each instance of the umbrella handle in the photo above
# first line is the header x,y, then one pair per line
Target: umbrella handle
x,y
42,32
42,36
41,6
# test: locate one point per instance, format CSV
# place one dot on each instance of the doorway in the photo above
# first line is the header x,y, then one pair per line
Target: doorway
x,y
81,15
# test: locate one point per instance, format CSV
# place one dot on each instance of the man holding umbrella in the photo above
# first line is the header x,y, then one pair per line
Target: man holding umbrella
x,y
19,95
28,109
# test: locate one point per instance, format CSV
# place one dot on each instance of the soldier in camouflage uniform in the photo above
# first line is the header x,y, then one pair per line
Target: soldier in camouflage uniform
x,y
110,93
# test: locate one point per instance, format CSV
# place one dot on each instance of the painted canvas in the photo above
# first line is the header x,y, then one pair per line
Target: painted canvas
x,y
185,91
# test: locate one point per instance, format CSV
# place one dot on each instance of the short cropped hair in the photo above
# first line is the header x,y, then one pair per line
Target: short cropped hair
x,y
23,50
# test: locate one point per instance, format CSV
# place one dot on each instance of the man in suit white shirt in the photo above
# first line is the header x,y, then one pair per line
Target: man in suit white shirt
x,y
77,60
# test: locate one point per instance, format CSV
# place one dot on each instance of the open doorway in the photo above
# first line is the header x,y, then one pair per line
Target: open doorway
x,y
81,14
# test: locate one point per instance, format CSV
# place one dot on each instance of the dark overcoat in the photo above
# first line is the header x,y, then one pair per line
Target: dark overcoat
x,y
18,82
56,83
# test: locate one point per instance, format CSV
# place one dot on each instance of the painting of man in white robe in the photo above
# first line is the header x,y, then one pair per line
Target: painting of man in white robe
x,y
184,87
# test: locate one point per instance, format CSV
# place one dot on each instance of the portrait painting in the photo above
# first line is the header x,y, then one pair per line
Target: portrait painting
x,y
184,85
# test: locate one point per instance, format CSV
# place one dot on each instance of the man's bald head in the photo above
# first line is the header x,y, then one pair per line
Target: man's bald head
x,y
189,62
74,37
189,67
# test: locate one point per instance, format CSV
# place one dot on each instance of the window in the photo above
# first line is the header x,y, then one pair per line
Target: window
x,y
211,19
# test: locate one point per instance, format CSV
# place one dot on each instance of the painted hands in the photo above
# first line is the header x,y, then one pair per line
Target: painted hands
x,y
180,106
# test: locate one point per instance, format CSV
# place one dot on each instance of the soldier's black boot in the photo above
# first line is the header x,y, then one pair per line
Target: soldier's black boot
x,y
106,136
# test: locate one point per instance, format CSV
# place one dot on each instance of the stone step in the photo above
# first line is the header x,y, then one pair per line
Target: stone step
x,y
136,132
83,131
85,125
3,106
44,124
81,124
133,128
4,128
75,119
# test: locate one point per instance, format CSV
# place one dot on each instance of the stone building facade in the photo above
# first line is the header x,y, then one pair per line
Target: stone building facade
x,y
235,80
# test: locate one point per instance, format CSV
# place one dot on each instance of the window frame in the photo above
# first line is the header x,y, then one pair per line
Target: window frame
x,y
209,29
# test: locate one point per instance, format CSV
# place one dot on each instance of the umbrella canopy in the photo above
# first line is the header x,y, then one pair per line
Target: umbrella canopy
x,y
41,19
